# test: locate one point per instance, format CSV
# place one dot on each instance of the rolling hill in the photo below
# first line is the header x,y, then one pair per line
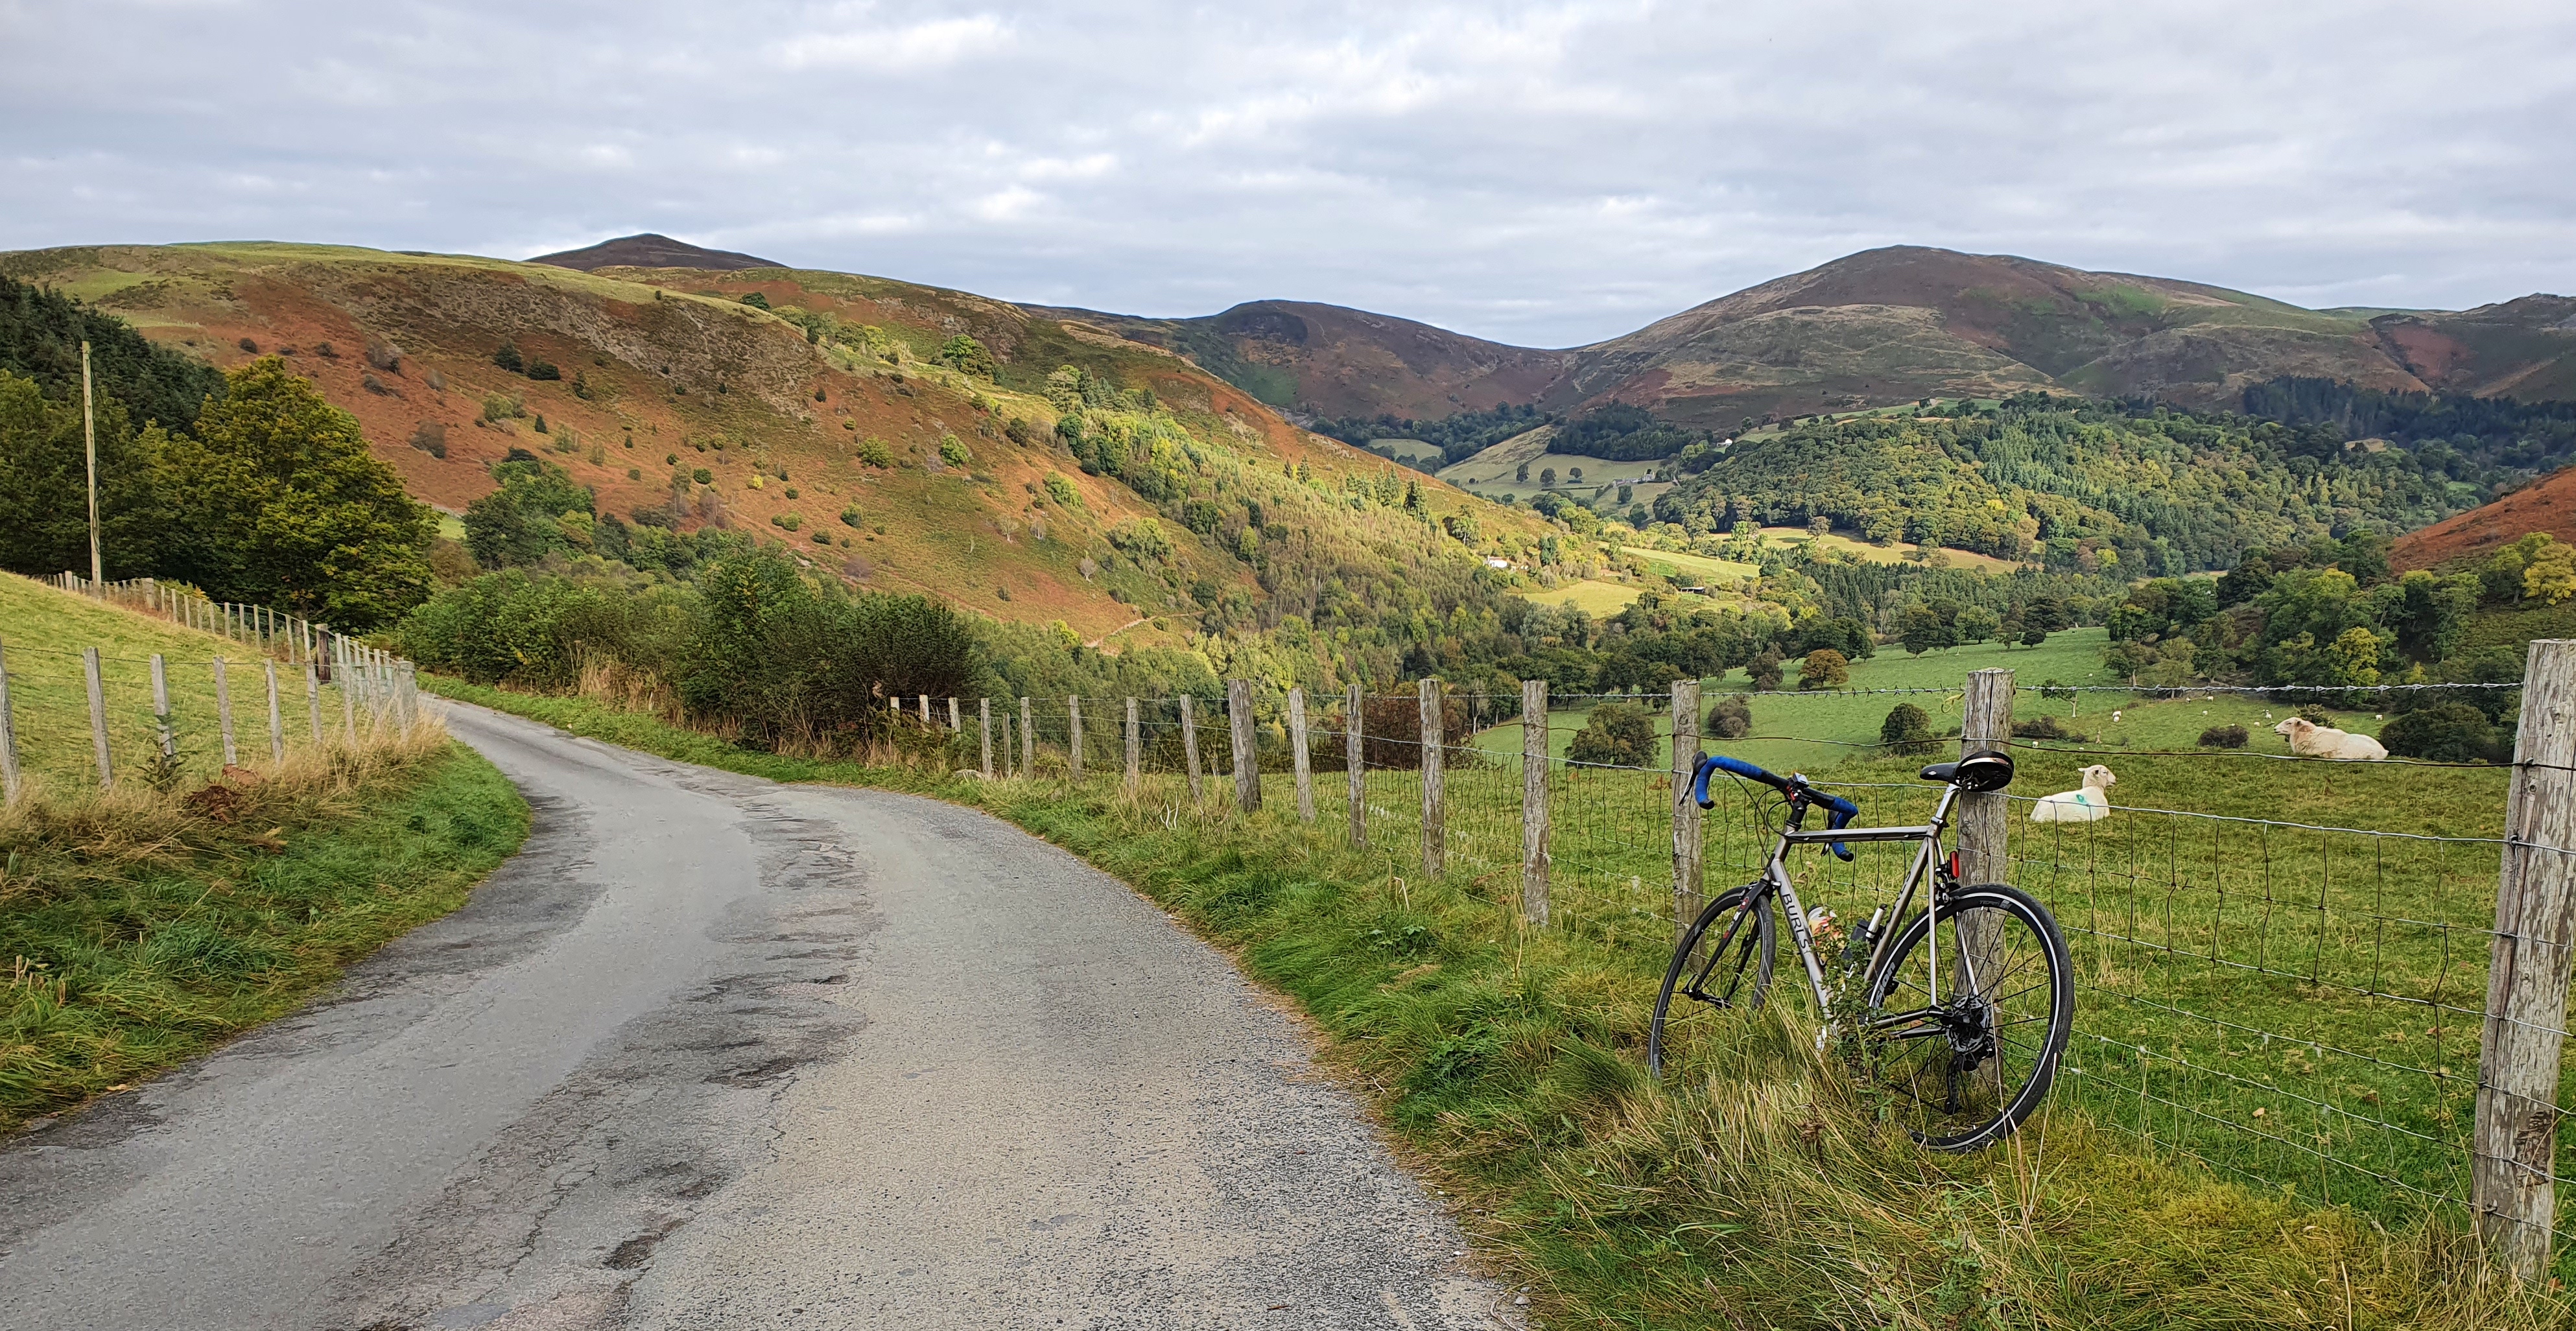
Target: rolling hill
x,y
2547,504
1882,327
648,249
835,413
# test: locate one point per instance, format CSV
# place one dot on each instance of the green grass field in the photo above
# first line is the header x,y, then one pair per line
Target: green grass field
x,y
49,699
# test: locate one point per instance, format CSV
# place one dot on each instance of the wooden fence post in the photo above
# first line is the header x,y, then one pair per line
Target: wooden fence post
x,y
1534,756
1686,821
925,709
984,733
348,676
9,777
1983,821
2513,1155
1435,807
1247,762
1028,738
1305,767
956,723
1135,749
97,715
161,708
224,711
1190,746
313,696
1354,732
1073,735
276,718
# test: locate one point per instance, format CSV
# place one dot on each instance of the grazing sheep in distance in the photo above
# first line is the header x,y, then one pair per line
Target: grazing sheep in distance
x,y
2090,804
2310,740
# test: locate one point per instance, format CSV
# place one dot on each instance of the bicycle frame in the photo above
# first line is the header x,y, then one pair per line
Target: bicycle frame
x,y
1928,863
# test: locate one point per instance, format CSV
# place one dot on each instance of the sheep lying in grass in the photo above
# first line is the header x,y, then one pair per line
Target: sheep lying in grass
x,y
2310,740
2090,804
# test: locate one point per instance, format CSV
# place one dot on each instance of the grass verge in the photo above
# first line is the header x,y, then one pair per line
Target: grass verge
x,y
1762,1193
142,929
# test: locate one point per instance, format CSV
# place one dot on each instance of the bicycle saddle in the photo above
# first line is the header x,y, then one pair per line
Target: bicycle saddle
x,y
1979,773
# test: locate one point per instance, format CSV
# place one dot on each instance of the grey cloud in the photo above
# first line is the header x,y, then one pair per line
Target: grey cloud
x,y
1546,174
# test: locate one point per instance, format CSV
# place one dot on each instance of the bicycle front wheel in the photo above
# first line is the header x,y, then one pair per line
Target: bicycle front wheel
x,y
1965,1026
1724,961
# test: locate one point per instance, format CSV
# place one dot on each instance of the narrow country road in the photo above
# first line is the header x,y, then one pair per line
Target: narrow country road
x,y
713,1052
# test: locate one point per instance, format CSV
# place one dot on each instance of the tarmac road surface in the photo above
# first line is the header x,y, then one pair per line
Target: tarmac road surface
x,y
714,1052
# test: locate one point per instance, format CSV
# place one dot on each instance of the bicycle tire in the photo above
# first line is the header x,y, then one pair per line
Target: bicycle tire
x,y
1919,1054
1760,947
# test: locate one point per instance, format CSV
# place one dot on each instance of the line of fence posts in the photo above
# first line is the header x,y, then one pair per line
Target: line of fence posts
x,y
2513,1153
390,685
2512,1192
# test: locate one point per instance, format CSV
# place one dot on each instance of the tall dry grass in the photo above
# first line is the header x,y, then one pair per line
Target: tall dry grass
x,y
134,822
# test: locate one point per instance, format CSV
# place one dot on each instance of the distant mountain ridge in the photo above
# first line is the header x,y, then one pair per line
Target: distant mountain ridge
x,y
647,249
1878,328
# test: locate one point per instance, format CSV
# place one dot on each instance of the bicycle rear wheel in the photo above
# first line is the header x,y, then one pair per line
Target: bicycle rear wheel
x,y
1724,961
1963,1072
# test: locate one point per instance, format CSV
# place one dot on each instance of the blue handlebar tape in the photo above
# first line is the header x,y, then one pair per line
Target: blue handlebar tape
x,y
1841,811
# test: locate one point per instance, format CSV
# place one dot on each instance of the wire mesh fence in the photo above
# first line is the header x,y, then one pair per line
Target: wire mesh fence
x,y
266,686
2282,962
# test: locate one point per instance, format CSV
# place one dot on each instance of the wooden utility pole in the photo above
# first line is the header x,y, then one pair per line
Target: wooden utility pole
x,y
2513,1154
89,437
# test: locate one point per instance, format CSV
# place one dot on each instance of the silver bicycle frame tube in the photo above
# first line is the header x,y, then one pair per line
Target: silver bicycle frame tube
x,y
1927,834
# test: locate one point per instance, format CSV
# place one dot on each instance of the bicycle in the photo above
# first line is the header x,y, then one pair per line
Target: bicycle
x,y
1965,1053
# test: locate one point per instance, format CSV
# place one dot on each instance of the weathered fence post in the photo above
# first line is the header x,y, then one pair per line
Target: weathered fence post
x,y
984,733
8,739
276,718
1305,766
1247,762
2513,1155
1983,821
1073,735
161,708
97,715
1135,749
1028,737
349,685
224,711
1686,821
1354,731
925,709
956,723
1534,755
1190,745
313,696
1435,808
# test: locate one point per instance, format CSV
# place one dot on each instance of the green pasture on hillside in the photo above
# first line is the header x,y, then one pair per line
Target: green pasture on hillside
x,y
42,632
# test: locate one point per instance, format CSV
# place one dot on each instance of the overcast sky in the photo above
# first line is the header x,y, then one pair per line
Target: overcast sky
x,y
1542,174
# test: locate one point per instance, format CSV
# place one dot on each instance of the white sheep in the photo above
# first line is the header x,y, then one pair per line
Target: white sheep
x,y
2090,804
2310,740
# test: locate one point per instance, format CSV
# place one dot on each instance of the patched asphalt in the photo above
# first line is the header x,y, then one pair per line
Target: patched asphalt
x,y
715,1052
